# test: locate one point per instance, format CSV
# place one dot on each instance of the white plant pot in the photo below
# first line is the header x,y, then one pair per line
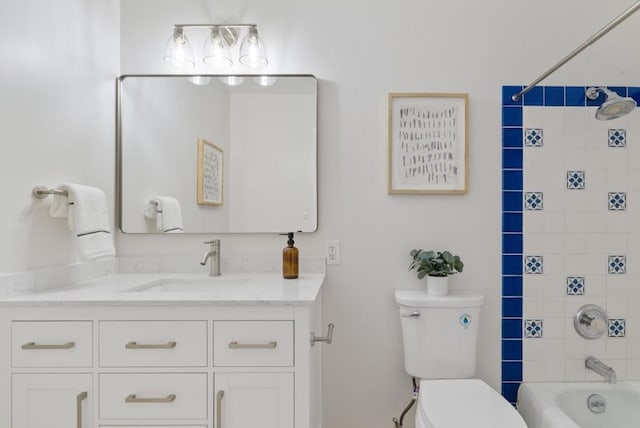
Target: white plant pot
x,y
437,285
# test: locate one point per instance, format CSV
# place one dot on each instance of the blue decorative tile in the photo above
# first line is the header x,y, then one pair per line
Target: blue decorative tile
x,y
512,222
512,158
533,329
554,96
575,96
512,201
533,137
512,116
511,264
512,179
620,90
512,243
512,286
512,350
575,179
512,370
512,307
535,97
617,201
616,327
634,92
533,265
512,137
508,92
533,201
617,138
510,391
617,265
575,285
512,328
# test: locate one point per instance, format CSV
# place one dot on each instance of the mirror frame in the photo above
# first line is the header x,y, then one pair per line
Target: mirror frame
x,y
118,199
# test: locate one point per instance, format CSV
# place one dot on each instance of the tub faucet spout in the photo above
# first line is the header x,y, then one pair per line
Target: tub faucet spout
x,y
608,373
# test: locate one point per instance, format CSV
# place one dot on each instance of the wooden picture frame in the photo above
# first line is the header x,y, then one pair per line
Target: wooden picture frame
x,y
428,143
210,174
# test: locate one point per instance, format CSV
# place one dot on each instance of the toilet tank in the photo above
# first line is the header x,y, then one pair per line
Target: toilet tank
x,y
440,333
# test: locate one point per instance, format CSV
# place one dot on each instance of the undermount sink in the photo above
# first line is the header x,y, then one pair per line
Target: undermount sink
x,y
188,284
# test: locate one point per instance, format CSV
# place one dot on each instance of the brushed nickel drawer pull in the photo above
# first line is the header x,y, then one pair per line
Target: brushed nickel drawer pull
x,y
79,399
33,345
132,398
136,345
219,396
236,345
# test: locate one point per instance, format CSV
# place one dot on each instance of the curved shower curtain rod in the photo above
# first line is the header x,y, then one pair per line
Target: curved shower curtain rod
x,y
591,40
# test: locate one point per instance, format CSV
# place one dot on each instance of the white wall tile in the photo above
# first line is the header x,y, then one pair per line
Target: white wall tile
x,y
616,243
554,371
553,349
533,308
533,285
553,307
617,306
616,348
554,285
575,370
576,243
554,243
595,285
532,350
533,117
533,371
575,349
575,264
554,328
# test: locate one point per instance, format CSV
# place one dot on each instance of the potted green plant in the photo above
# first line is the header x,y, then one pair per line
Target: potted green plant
x,y
436,266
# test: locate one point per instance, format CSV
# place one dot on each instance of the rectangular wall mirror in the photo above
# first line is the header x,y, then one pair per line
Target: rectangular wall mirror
x,y
236,158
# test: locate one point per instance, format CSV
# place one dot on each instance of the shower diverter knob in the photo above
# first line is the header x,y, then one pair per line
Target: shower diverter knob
x,y
590,321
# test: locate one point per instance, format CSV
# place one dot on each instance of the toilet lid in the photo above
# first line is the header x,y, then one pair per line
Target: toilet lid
x,y
456,403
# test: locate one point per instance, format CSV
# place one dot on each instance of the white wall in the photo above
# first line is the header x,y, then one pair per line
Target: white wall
x,y
58,66
57,80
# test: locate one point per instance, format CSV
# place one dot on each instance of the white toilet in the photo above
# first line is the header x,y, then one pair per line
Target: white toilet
x,y
440,335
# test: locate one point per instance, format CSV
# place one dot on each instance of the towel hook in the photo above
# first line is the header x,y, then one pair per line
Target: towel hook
x,y
41,192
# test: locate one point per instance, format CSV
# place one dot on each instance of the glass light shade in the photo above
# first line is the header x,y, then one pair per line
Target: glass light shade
x,y
232,80
178,51
252,51
265,80
200,80
216,50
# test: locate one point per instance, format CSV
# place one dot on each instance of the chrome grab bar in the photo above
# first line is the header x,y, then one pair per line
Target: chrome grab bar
x,y
269,345
136,345
33,345
133,398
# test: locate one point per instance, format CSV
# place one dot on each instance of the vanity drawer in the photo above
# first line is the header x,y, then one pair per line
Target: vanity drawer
x,y
51,344
153,396
253,343
153,343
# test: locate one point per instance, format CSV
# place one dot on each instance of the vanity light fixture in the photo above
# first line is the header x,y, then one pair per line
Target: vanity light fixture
x,y
221,38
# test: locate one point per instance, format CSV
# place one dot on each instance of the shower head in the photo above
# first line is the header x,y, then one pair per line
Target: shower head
x,y
614,105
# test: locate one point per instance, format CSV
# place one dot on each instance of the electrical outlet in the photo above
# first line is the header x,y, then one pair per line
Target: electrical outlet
x,y
333,252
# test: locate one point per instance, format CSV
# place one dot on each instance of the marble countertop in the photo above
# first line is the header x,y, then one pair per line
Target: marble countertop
x,y
183,289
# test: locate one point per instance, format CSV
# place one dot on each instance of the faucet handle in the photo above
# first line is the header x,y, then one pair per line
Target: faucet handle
x,y
213,242
590,321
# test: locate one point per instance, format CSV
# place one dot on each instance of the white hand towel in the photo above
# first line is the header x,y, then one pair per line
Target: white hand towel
x,y
168,214
89,220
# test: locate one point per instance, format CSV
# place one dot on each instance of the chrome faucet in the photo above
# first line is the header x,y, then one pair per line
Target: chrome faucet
x,y
214,255
608,373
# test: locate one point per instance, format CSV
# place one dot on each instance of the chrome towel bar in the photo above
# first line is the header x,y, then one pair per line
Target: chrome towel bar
x,y
41,192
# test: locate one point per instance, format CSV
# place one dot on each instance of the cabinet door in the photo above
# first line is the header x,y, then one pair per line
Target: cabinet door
x,y
249,400
51,401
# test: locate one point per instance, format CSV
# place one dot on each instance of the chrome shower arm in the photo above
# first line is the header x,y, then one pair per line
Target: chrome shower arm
x,y
591,40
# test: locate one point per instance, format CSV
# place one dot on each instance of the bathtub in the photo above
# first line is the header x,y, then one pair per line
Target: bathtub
x,y
565,405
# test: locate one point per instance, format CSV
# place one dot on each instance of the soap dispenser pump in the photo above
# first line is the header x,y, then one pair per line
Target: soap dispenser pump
x,y
290,259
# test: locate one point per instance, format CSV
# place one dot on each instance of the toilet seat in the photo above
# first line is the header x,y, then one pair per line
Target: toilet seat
x,y
457,403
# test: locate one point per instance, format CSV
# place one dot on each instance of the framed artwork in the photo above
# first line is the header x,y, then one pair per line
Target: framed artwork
x,y
210,173
428,143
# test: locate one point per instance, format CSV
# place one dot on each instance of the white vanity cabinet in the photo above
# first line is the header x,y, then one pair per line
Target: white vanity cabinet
x,y
180,365
51,400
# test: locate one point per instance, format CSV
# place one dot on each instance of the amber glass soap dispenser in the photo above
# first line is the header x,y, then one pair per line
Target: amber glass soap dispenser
x,y
290,259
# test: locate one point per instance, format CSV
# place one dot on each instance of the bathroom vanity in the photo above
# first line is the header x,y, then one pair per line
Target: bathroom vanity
x,y
171,351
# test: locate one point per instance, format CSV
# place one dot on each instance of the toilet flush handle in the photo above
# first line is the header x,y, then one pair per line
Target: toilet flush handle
x,y
414,314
